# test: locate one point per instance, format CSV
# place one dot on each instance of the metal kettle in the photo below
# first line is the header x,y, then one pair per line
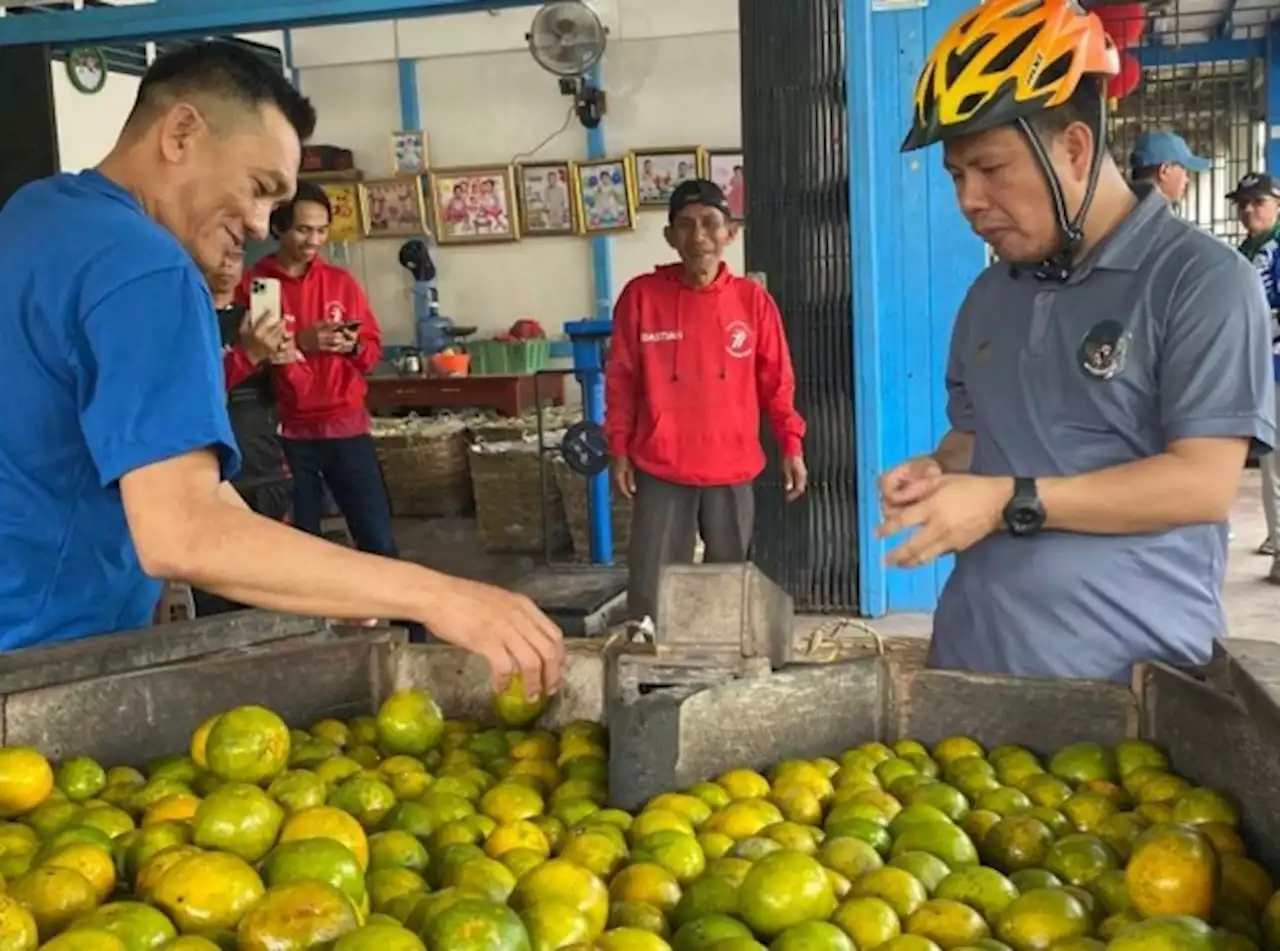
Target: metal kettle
x,y
410,363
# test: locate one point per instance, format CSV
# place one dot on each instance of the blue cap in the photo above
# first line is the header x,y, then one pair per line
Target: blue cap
x,y
1165,148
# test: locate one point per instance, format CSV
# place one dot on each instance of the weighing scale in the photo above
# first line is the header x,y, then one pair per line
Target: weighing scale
x,y
583,600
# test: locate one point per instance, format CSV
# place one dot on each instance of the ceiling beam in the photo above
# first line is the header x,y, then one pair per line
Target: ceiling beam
x,y
178,18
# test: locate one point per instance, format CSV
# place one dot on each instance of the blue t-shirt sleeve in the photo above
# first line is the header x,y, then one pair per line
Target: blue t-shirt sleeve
x,y
151,375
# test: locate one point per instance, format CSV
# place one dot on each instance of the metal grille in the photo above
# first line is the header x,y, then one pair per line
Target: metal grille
x,y
795,145
1216,104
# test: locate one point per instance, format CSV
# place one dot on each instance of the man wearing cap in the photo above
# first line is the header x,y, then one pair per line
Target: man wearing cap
x,y
697,355
1165,160
1257,199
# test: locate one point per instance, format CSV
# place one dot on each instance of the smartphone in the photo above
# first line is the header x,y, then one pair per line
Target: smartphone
x,y
351,326
264,300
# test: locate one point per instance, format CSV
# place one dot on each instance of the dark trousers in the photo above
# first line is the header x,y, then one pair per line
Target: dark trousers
x,y
272,499
349,467
666,520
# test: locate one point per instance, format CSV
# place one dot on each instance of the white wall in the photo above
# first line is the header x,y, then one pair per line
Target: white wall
x,y
672,76
88,125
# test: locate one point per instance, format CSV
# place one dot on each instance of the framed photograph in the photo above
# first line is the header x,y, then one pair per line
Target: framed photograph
x,y
548,199
725,168
606,190
474,205
409,153
659,171
393,208
344,198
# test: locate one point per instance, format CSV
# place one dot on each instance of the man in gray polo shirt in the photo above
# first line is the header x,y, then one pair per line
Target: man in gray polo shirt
x,y
1106,380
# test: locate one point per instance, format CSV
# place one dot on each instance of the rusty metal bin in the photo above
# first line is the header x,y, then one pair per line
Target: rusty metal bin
x,y
125,698
1220,726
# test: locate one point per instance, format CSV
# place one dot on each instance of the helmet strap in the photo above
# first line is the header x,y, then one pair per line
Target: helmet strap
x,y
1060,265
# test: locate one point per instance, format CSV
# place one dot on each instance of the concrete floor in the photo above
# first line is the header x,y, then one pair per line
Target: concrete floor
x,y
1253,605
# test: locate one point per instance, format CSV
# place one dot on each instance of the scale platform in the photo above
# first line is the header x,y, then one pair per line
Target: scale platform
x,y
584,602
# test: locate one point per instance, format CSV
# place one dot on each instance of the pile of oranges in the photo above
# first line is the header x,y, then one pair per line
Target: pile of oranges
x,y
405,831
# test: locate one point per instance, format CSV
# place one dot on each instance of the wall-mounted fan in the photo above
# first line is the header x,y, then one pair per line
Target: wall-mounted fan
x,y
567,39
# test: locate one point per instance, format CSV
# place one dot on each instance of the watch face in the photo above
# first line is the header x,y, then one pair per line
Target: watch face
x,y
1024,519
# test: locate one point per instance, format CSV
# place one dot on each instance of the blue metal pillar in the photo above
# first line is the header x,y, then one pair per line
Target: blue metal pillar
x,y
1273,98
914,258
600,518
286,53
410,116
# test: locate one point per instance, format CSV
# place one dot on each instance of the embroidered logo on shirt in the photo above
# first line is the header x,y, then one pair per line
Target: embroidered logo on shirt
x,y
738,339
1105,349
336,313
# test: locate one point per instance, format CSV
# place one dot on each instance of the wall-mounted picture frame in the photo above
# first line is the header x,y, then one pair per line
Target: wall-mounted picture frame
x,y
346,223
548,199
393,208
726,168
474,205
606,192
409,153
659,171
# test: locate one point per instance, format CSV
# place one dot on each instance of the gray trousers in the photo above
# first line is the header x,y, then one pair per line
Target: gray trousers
x,y
1269,465
666,520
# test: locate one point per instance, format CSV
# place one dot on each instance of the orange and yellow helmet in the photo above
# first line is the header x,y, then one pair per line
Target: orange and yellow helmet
x,y
1006,60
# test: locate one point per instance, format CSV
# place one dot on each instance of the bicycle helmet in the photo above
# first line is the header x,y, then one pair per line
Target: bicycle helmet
x,y
1002,63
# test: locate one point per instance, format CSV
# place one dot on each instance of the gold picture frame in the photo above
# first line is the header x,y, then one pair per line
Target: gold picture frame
x,y
604,188
409,156
346,223
393,208
727,169
659,171
544,211
474,204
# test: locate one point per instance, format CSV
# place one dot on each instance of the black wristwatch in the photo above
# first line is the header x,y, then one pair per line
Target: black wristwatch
x,y
1024,514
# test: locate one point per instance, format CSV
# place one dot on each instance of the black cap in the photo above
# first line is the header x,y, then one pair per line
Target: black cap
x,y
697,191
1255,185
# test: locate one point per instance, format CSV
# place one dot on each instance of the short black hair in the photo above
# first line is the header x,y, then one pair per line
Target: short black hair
x,y
226,71
282,217
1085,105
1148,173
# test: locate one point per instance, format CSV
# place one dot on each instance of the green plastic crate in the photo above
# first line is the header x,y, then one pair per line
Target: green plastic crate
x,y
497,356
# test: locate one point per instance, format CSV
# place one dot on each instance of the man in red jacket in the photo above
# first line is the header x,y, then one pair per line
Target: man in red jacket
x,y
697,354
320,398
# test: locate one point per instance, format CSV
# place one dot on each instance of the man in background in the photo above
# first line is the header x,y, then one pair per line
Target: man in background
x,y
1257,199
323,420
1165,160
248,350
697,354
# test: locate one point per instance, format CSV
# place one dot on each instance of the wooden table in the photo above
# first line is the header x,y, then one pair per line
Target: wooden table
x,y
511,395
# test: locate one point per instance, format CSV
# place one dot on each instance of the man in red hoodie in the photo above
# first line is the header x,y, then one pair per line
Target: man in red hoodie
x,y
320,398
697,355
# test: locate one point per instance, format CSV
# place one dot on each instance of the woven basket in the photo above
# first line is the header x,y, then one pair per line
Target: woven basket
x,y
505,476
425,466
573,489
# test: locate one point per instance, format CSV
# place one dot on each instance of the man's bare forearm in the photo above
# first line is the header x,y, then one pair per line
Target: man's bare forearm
x,y
188,528
955,452
286,567
1194,483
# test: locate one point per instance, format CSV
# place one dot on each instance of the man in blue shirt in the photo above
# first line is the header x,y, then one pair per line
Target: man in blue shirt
x,y
114,443
1166,161
1257,199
